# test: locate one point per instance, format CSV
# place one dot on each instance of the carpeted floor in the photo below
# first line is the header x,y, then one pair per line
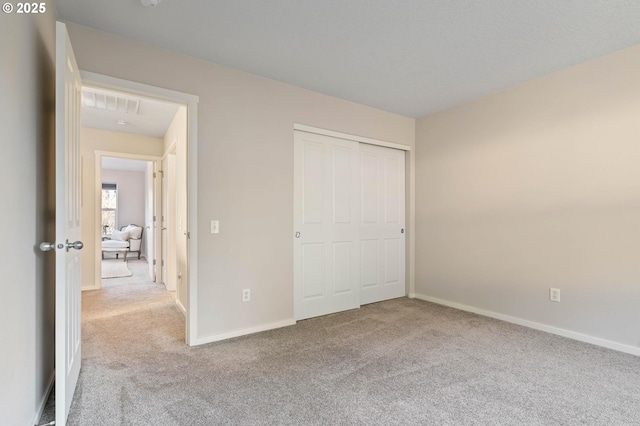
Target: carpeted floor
x,y
115,268
401,362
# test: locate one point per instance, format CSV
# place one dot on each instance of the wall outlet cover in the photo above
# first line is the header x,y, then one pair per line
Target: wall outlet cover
x,y
215,227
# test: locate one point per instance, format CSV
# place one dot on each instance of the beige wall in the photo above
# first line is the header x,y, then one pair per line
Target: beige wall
x,y
177,135
245,169
27,85
92,140
538,187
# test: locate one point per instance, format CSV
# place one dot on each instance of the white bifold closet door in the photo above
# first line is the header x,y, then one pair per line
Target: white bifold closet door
x,y
326,225
382,230
349,224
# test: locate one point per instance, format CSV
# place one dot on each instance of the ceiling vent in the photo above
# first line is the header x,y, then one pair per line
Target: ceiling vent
x,y
109,101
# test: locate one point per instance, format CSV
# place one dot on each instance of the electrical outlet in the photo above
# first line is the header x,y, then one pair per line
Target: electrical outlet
x,y
554,294
246,295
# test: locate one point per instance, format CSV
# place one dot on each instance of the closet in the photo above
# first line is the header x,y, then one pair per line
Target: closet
x,y
349,224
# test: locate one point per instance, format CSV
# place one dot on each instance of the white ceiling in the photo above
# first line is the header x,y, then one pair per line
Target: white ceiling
x,y
151,118
112,163
412,57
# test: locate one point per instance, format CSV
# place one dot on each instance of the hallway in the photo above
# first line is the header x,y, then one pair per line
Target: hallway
x,y
124,296
127,327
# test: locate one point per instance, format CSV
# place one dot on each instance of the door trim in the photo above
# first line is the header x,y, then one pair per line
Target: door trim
x,y
340,135
191,102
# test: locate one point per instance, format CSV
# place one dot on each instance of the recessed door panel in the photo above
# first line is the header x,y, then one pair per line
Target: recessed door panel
x,y
369,187
342,277
391,258
341,176
312,270
391,187
312,189
369,262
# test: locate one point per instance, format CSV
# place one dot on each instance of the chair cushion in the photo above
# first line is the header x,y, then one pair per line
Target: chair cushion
x,y
134,245
134,231
120,235
112,244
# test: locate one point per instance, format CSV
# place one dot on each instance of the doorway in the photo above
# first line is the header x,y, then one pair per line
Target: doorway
x,y
125,217
174,148
136,210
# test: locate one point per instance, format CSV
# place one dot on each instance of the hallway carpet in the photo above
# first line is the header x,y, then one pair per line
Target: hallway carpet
x,y
401,362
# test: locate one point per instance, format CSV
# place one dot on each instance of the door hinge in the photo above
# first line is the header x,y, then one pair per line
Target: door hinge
x,y
154,175
154,262
154,217
163,262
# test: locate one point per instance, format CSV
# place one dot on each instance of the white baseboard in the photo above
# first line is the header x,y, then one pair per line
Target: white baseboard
x,y
90,287
244,332
535,325
180,306
45,397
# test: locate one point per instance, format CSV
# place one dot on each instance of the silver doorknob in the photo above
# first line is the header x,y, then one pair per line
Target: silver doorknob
x,y
75,245
297,234
402,231
47,246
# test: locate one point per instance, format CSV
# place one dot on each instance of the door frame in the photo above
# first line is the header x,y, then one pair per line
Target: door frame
x,y
98,155
409,188
191,103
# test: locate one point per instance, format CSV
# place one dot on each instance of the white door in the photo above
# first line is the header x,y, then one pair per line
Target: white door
x,y
163,221
68,89
382,230
326,227
157,225
150,213
170,220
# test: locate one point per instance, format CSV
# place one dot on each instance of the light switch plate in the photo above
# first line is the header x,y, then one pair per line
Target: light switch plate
x,y
215,227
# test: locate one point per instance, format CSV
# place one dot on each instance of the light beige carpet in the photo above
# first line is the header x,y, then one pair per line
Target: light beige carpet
x,y
115,269
401,362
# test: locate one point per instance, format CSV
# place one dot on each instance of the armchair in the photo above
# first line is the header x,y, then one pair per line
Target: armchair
x,y
127,240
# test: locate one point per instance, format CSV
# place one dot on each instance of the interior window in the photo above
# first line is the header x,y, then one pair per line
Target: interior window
x,y
109,207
